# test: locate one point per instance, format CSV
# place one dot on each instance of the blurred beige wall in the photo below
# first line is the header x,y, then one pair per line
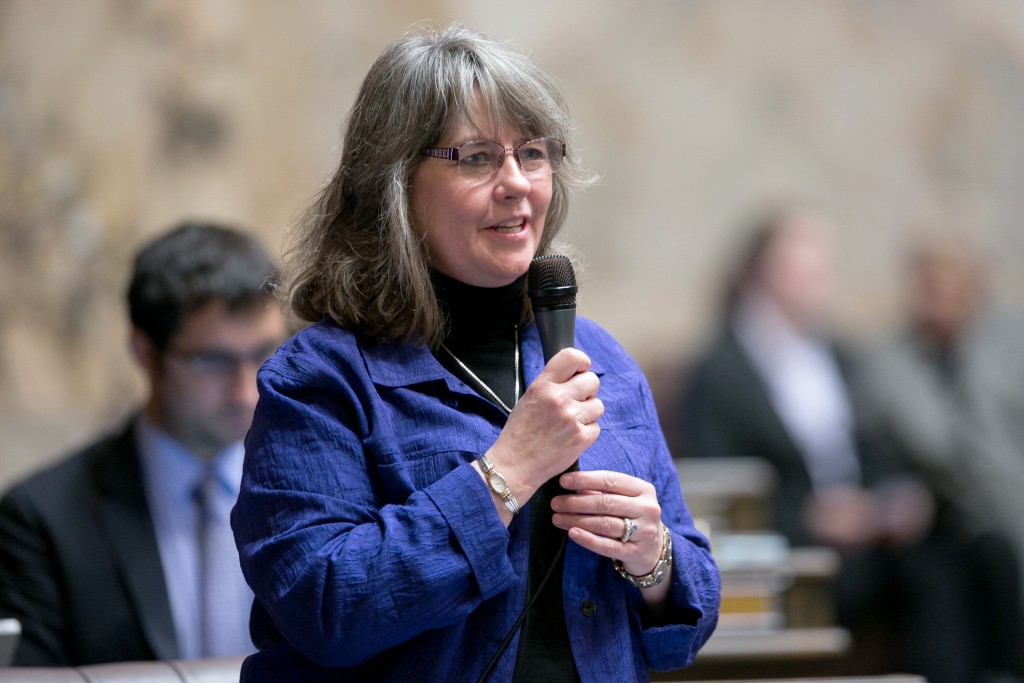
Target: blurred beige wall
x,y
117,118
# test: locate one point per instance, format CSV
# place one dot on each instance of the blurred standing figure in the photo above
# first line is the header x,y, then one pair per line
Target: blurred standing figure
x,y
777,384
107,555
948,390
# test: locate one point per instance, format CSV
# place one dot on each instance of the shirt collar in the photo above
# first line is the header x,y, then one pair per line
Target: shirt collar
x,y
765,332
176,469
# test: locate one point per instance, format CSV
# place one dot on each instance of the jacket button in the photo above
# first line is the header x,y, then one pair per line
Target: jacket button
x,y
588,607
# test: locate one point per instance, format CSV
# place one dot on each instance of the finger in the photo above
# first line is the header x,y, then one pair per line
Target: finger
x,y
607,482
590,411
608,547
612,527
593,503
599,525
565,364
583,386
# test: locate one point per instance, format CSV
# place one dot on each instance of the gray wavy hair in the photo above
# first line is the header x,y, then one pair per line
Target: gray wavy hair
x,y
355,256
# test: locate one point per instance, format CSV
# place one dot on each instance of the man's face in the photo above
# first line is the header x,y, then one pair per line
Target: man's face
x,y
203,385
945,293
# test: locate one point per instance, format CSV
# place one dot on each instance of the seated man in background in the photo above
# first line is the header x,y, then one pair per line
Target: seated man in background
x,y
123,551
778,385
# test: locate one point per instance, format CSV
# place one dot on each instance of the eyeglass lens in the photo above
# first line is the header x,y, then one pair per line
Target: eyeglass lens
x,y
217,362
480,158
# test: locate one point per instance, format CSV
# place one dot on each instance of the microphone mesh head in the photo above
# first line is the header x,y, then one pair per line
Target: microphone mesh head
x,y
552,281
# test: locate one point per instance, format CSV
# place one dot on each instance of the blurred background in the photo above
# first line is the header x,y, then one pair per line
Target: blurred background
x,y
120,117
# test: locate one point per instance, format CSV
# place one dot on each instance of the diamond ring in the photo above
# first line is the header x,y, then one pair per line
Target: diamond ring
x,y
629,528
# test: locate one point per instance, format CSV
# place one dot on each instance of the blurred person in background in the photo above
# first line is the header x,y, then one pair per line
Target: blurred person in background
x,y
778,384
948,391
123,551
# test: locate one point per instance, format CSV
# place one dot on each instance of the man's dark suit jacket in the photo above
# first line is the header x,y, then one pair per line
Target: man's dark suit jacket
x,y
727,412
79,563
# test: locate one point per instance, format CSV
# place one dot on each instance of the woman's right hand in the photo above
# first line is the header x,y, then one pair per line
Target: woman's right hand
x,y
554,421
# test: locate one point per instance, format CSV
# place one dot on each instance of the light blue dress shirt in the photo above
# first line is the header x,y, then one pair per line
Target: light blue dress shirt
x,y
170,473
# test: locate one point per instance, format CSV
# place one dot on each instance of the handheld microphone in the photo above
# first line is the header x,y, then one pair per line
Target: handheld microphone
x,y
551,286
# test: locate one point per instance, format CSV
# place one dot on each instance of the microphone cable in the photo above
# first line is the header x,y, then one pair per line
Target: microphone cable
x,y
522,615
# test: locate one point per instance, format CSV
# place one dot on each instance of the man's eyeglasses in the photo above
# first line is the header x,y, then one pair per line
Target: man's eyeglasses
x,y
221,363
482,158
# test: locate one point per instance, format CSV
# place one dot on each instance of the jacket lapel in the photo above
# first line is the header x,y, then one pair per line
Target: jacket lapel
x,y
751,389
132,543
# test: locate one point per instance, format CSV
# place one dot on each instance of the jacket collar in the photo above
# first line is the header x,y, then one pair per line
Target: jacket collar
x,y
399,364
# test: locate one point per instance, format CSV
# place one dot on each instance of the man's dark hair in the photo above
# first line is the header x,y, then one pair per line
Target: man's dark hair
x,y
188,267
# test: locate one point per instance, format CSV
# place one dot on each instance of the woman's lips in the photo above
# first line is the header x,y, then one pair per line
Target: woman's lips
x,y
510,227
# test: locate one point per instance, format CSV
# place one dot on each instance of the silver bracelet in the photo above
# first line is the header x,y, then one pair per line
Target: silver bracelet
x,y
498,485
660,571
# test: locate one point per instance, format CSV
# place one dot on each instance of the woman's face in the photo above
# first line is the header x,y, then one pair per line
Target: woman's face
x,y
480,231
798,271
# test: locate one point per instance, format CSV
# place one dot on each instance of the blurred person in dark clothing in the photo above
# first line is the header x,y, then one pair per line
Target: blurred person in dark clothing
x,y
123,550
948,391
776,383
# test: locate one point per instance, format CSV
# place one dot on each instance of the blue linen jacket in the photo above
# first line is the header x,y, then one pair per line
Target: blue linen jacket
x,y
375,550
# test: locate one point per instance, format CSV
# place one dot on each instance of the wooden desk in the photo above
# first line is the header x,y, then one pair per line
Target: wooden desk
x,y
747,655
808,602
794,636
780,587
732,494
777,616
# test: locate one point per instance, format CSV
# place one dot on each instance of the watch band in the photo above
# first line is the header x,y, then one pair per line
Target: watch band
x,y
498,485
657,575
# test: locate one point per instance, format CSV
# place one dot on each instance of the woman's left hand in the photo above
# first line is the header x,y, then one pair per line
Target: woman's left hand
x,y
603,509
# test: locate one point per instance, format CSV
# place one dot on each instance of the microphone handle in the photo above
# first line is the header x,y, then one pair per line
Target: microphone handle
x,y
557,328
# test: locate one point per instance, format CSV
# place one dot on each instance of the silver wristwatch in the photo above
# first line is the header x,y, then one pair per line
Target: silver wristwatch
x,y
498,485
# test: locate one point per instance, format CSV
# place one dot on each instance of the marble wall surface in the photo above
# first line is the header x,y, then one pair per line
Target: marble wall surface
x,y
119,117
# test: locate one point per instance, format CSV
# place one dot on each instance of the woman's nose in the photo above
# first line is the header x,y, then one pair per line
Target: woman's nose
x,y
511,180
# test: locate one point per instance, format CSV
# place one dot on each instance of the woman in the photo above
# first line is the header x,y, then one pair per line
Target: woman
x,y
401,500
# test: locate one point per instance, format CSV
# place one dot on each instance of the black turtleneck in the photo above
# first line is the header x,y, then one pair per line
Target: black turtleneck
x,y
482,333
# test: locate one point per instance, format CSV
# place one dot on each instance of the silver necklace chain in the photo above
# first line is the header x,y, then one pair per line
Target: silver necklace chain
x,y
490,392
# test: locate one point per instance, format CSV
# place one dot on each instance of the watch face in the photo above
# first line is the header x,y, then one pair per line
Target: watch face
x,y
498,483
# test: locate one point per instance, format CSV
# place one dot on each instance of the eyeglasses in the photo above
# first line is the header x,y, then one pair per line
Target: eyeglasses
x,y
220,363
482,158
